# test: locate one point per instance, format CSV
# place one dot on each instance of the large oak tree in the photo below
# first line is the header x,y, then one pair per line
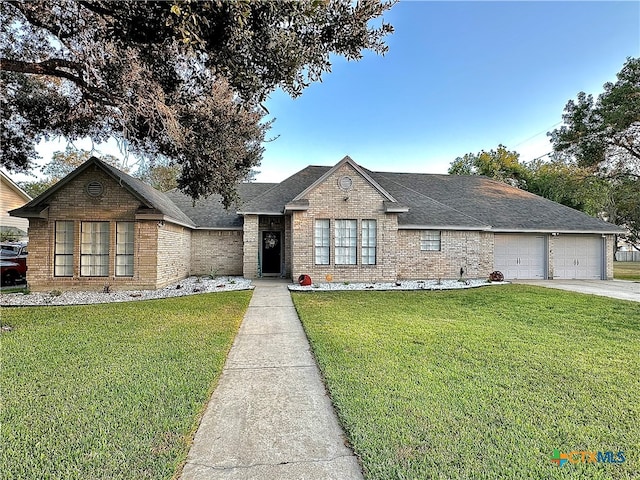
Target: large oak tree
x,y
182,79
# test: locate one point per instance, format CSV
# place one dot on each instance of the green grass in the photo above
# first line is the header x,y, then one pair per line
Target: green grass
x,y
110,391
626,270
481,383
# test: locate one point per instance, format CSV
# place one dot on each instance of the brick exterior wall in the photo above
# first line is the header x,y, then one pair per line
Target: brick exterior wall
x,y
72,203
609,249
250,244
327,201
469,250
173,254
216,251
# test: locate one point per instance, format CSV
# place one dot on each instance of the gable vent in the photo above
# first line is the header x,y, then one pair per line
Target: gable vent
x,y
95,189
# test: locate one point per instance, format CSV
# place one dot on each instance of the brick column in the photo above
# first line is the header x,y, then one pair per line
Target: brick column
x,y
251,243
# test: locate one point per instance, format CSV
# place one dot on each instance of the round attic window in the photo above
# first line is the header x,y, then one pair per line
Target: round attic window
x,y
345,183
95,189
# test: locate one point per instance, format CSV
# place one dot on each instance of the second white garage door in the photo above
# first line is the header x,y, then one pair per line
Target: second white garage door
x,y
520,256
577,257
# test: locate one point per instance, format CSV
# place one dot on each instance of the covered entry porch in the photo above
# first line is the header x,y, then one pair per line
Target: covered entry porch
x,y
267,246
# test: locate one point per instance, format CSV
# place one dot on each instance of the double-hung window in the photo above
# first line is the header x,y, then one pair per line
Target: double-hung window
x,y
63,255
368,242
124,249
346,238
430,240
94,249
322,242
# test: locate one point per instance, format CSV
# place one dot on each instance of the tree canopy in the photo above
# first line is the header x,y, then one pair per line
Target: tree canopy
x,y
499,164
604,132
181,79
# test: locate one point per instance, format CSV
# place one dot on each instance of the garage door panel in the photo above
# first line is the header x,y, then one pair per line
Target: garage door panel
x,y
520,256
578,257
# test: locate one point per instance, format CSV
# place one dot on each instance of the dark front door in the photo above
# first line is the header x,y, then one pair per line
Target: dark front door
x,y
271,248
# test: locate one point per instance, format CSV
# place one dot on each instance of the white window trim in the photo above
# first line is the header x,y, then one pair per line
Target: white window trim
x,y
369,242
430,240
88,264
322,242
128,254
346,242
67,241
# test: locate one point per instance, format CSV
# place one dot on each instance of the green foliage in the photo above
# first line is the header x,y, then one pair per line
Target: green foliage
x,y
606,129
180,79
160,173
35,187
441,385
62,164
110,391
499,164
569,184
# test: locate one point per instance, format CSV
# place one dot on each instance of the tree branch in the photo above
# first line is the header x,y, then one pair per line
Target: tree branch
x,y
54,68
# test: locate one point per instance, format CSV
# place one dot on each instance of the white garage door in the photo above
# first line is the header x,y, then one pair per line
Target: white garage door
x,y
577,257
520,256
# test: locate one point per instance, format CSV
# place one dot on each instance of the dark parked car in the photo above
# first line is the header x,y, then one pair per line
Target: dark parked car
x,y
13,263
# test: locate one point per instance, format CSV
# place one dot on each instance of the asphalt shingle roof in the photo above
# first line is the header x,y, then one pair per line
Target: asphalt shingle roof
x,y
465,202
490,202
210,213
274,200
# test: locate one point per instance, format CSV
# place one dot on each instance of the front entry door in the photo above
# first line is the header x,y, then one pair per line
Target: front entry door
x,y
271,248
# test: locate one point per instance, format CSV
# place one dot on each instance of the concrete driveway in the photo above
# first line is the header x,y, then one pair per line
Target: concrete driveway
x,y
620,289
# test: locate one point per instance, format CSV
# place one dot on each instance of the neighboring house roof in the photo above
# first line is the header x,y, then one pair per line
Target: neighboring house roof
x,y
14,186
156,202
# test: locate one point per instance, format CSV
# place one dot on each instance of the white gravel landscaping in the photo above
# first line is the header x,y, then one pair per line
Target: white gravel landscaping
x,y
400,285
196,285
188,286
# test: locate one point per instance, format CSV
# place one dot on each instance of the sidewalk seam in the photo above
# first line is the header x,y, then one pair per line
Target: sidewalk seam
x,y
297,462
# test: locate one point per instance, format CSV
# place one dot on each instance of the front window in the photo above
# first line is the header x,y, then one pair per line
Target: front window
x,y
430,240
94,249
63,261
368,242
124,249
321,242
346,242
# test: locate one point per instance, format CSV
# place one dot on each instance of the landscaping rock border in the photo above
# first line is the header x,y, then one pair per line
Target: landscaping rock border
x,y
188,286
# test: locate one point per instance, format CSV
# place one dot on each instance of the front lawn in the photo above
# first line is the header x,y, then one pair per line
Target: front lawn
x,y
626,270
110,391
482,383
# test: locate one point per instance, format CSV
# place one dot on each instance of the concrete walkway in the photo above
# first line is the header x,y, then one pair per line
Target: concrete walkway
x,y
270,416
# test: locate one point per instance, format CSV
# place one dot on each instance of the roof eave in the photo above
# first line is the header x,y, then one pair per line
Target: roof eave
x,y
23,212
475,228
162,218
557,231
274,214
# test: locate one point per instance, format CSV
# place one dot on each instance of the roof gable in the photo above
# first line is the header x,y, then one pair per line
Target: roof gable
x,y
346,160
155,201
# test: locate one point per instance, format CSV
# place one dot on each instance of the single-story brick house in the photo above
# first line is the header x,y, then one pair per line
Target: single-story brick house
x,y
101,226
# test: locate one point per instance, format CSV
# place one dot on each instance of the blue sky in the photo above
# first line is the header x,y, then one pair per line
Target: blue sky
x,y
459,77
